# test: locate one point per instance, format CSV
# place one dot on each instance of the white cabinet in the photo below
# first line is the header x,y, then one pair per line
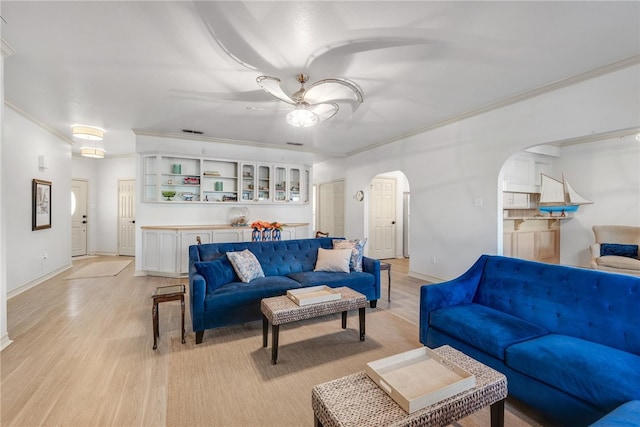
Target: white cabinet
x,y
522,172
159,251
221,181
291,184
188,238
516,200
256,182
165,249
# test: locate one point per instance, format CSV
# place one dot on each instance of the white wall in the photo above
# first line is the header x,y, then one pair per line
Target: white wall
x,y
23,141
207,214
449,167
608,174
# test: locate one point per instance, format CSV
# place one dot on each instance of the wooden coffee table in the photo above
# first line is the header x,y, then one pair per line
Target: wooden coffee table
x,y
355,400
281,310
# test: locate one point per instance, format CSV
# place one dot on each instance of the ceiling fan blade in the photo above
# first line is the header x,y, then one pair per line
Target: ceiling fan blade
x,y
325,110
272,86
332,90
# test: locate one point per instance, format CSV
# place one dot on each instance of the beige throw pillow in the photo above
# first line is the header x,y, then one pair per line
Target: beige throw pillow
x,y
336,260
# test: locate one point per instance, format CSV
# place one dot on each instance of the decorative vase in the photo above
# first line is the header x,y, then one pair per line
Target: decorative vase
x,y
275,234
266,235
256,235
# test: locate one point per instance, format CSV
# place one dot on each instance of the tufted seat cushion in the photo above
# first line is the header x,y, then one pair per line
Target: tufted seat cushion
x,y
499,330
239,293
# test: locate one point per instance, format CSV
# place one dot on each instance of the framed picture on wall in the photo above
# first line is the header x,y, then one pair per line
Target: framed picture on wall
x,y
41,204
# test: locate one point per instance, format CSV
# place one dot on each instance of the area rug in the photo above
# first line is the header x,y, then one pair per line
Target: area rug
x,y
229,380
98,269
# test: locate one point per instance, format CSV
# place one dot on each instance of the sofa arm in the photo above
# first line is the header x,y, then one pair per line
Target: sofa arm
x,y
595,254
197,291
372,266
454,292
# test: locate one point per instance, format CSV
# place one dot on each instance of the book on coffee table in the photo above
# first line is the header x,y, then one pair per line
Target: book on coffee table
x,y
419,378
313,295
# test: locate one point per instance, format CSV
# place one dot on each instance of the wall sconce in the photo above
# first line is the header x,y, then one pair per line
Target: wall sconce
x,y
42,162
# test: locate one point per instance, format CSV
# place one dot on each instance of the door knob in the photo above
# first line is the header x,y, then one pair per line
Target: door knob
x,y
84,222
393,222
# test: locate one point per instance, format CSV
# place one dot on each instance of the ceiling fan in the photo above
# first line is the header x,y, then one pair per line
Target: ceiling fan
x,y
315,103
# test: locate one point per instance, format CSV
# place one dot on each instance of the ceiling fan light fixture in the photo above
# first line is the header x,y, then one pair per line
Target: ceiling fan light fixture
x,y
90,133
302,117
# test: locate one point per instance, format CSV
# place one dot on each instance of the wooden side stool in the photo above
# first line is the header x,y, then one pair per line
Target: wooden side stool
x,y
163,294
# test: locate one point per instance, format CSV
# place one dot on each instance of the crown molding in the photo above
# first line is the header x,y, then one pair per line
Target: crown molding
x,y
193,137
619,133
550,87
41,124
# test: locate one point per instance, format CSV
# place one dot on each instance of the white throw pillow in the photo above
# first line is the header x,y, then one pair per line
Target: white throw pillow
x,y
336,260
246,265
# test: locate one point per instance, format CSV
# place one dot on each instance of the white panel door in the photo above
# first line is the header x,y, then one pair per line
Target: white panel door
x,y
126,217
78,218
331,208
382,208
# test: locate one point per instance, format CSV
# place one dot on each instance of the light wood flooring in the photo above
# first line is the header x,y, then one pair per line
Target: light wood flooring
x,y
82,349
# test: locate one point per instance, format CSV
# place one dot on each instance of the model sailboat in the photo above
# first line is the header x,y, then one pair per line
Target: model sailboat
x,y
559,196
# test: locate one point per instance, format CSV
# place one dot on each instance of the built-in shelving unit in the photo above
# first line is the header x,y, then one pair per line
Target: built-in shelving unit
x,y
206,180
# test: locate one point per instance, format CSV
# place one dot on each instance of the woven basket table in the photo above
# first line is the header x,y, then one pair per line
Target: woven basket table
x,y
281,310
356,401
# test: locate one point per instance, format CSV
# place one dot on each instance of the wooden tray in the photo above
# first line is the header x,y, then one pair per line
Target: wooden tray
x,y
419,378
313,295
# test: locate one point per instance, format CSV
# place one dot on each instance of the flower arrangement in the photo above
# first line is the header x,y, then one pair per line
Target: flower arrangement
x,y
264,225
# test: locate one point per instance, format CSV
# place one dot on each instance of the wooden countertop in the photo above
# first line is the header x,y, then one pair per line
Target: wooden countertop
x,y
213,226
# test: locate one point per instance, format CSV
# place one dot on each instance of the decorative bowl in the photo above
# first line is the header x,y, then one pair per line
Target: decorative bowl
x,y
168,194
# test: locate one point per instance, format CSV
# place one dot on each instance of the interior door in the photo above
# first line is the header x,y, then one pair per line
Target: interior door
x,y
382,204
331,208
78,217
126,217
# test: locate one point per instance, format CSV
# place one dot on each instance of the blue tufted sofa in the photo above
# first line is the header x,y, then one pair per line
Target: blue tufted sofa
x,y
222,299
568,339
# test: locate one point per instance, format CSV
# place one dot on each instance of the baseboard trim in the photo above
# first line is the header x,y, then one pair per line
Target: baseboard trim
x,y
36,282
5,341
424,277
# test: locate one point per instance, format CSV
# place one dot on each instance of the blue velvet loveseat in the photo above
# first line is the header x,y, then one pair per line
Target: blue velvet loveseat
x,y
568,339
218,298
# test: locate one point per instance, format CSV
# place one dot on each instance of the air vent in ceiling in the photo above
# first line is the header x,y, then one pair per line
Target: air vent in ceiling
x,y
195,132
297,144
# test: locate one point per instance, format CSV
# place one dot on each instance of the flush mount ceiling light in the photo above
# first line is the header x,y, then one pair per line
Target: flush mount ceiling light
x,y
93,152
90,133
302,116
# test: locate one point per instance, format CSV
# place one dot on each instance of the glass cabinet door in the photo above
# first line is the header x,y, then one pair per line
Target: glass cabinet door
x,y
248,181
150,178
294,185
264,182
280,179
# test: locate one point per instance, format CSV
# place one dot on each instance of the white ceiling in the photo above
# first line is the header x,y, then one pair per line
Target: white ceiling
x,y
166,66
